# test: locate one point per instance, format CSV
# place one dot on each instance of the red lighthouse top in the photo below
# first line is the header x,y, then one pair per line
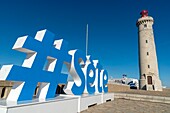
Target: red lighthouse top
x,y
144,13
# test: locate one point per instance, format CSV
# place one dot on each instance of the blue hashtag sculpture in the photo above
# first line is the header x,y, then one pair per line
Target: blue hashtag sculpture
x,y
43,48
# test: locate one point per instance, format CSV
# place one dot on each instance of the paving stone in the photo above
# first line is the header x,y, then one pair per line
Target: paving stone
x,y
129,106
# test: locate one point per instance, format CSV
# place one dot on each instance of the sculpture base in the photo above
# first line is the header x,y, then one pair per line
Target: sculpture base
x,y
60,104
86,100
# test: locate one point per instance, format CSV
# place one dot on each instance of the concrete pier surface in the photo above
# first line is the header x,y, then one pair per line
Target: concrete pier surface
x,y
123,105
129,106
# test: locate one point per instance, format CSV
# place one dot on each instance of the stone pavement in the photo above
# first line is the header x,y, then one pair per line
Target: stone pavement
x,y
129,106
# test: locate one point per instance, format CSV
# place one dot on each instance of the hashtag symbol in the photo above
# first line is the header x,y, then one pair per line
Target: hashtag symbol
x,y
44,62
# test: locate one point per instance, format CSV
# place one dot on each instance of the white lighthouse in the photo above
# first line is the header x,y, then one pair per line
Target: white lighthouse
x,y
148,65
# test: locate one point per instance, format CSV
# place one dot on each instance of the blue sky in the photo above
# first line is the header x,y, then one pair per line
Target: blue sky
x,y
113,35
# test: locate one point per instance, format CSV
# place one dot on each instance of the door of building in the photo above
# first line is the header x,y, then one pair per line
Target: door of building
x,y
149,80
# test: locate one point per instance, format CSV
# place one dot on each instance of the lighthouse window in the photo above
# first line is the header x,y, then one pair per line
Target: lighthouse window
x,y
145,25
148,66
147,53
146,41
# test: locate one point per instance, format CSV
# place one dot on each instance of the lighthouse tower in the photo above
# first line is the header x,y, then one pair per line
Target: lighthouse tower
x,y
148,65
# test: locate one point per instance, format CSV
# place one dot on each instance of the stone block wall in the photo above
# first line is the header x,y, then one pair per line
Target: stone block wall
x,y
118,87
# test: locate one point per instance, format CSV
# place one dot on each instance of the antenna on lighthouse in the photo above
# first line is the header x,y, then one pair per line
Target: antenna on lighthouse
x,y
87,39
